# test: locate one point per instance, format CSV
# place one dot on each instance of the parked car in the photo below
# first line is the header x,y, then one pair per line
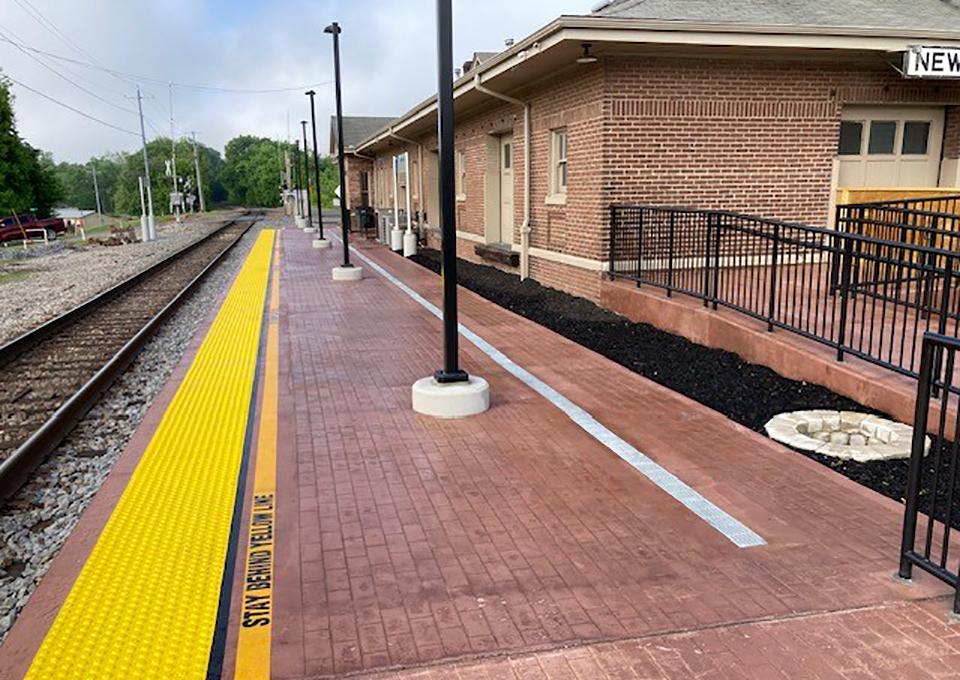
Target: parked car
x,y
10,230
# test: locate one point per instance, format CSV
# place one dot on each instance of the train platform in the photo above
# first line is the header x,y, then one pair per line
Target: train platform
x,y
283,513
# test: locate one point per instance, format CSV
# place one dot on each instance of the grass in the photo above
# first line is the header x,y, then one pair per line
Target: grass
x,y
11,276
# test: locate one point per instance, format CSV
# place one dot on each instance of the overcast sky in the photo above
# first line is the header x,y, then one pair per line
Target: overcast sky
x,y
388,59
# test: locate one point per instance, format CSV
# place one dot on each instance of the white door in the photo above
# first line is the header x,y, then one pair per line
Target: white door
x,y
506,189
890,146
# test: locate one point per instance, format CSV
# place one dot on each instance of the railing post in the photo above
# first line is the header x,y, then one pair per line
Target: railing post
x,y
670,242
640,248
917,452
772,302
706,261
841,218
718,233
846,262
613,250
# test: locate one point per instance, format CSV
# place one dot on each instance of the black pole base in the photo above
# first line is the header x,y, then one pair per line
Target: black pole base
x,y
445,377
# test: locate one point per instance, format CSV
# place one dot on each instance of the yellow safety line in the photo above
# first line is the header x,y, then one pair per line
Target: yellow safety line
x,y
256,612
144,606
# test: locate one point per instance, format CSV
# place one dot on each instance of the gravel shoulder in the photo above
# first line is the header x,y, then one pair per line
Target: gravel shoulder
x,y
36,522
42,282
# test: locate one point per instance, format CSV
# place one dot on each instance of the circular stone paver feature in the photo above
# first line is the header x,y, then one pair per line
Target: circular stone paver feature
x,y
846,435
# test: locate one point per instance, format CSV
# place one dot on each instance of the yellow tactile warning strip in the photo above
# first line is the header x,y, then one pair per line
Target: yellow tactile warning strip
x,y
256,611
145,604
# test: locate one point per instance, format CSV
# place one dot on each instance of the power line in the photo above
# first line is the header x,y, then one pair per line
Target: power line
x,y
68,107
161,81
37,15
5,38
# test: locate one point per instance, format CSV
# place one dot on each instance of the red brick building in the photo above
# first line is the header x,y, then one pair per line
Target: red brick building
x,y
765,107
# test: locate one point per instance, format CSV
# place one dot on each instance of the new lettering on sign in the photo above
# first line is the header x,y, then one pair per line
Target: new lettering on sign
x,y
932,62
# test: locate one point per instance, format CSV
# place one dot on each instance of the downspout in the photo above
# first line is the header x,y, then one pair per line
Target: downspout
x,y
527,134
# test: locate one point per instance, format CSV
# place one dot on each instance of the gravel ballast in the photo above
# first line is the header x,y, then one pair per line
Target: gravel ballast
x,y
746,393
42,282
35,523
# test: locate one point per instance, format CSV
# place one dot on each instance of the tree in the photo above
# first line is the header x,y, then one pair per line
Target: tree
x,y
251,172
126,195
28,182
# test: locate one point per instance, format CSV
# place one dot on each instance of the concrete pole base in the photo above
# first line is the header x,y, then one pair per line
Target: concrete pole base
x,y
301,222
347,273
309,230
451,400
321,243
409,244
396,240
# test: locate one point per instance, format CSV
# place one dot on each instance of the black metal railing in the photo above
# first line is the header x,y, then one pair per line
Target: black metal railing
x,y
868,297
932,496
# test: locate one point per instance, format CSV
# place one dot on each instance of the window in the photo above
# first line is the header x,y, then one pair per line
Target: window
x,y
507,156
851,138
558,164
461,179
916,136
883,133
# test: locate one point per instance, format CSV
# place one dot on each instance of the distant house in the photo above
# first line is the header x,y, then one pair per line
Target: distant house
x,y
74,217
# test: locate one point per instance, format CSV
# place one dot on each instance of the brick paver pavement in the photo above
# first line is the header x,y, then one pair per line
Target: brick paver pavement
x,y
406,541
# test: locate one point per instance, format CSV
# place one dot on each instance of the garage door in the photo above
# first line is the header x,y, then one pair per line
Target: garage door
x,y
886,146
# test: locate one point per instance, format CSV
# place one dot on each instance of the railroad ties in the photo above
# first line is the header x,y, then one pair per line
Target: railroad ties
x,y
51,376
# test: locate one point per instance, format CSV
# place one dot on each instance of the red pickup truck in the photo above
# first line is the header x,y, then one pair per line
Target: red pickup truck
x,y
10,230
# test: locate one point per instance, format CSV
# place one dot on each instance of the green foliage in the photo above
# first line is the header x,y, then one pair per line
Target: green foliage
x,y
77,182
252,171
28,182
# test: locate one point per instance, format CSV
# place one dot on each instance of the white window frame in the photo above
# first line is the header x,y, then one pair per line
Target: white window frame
x,y
559,153
461,178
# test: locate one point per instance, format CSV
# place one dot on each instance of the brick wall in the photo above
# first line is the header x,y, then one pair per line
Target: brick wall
x,y
353,167
951,133
756,136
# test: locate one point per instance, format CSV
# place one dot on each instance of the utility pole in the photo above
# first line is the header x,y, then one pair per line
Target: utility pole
x,y
196,163
297,179
173,161
151,228
96,191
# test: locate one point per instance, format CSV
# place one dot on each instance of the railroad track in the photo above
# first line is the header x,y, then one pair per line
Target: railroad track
x,y
51,376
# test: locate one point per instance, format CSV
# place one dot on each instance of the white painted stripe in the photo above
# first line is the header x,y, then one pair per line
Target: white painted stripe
x,y
738,533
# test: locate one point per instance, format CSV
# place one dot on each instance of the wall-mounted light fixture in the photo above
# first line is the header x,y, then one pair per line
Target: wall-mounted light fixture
x,y
586,57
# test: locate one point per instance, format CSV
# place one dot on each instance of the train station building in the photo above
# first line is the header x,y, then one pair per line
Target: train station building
x,y
767,108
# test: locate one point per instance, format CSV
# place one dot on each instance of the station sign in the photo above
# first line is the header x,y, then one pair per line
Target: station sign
x,y
922,61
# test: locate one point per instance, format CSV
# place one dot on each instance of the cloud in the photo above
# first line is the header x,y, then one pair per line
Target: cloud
x,y
388,60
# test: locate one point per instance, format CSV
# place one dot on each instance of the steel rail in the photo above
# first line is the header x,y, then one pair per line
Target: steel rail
x,y
16,469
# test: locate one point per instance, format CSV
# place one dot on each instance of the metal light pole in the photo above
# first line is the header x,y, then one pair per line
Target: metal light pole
x,y
151,229
450,392
451,371
306,174
334,29
316,164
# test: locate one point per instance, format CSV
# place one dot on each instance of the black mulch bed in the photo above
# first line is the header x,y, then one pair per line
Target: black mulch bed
x,y
746,393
